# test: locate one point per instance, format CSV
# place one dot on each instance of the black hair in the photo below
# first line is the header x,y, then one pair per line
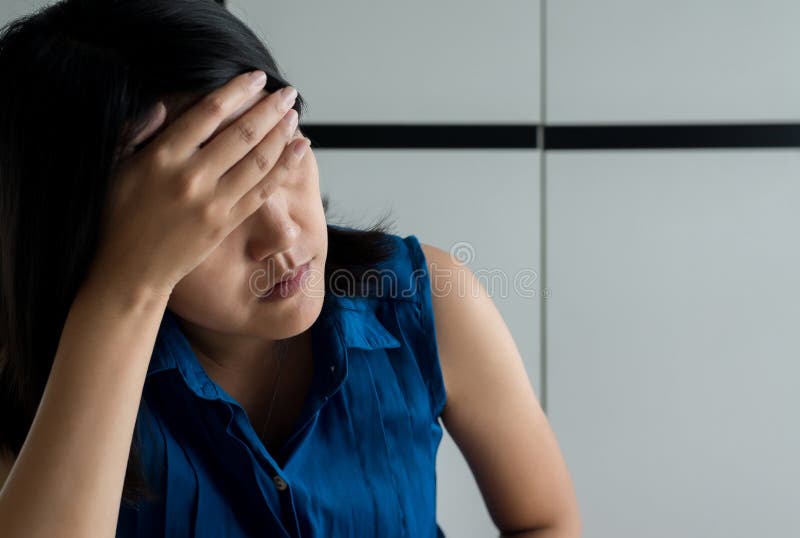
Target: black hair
x,y
78,78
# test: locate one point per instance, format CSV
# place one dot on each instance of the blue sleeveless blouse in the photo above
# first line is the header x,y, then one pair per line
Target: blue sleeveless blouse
x,y
361,459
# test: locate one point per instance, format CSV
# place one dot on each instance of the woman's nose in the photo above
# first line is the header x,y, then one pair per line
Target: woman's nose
x,y
272,229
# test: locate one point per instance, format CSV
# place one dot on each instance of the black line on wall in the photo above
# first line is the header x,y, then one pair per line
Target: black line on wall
x,y
421,136
673,136
556,137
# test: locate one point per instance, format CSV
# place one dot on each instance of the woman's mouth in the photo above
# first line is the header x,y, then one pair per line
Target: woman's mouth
x,y
288,287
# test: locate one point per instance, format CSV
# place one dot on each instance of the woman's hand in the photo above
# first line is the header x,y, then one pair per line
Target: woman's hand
x,y
174,201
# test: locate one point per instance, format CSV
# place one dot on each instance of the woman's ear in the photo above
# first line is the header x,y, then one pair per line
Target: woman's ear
x,y
155,119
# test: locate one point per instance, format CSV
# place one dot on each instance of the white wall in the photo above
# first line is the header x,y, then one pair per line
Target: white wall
x,y
405,62
672,343
684,61
672,324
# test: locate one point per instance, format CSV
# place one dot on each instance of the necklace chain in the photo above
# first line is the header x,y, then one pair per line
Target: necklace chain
x,y
282,348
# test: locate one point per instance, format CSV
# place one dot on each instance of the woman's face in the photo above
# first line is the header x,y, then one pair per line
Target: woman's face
x,y
222,294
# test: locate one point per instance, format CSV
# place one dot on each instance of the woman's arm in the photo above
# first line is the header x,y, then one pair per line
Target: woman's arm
x,y
67,480
492,413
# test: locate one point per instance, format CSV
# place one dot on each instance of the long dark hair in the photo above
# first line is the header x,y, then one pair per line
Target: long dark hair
x,y
78,77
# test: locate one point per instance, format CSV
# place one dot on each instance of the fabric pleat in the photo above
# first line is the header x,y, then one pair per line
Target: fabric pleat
x,y
181,491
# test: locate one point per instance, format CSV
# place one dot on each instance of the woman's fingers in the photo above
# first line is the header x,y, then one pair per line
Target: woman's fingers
x,y
234,145
259,162
254,198
189,131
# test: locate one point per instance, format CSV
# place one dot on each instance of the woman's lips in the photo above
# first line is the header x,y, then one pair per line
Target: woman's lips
x,y
289,285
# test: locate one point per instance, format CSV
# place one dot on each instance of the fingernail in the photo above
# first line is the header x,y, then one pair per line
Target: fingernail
x,y
288,94
258,79
292,121
300,148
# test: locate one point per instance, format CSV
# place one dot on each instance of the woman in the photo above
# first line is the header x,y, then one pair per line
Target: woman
x,y
180,353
